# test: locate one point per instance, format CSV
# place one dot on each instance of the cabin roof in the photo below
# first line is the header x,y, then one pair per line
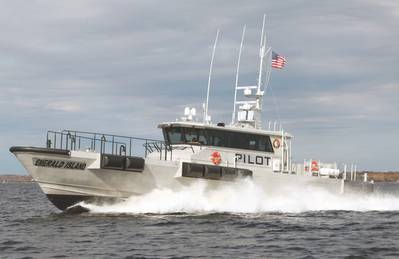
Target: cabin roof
x,y
200,125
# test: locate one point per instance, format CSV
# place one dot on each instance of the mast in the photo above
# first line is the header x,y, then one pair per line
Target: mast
x,y
207,118
238,70
262,53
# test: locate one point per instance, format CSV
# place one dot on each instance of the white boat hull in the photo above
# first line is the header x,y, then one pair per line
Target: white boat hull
x,y
65,187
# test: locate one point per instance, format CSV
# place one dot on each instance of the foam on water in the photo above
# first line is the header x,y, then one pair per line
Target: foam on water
x,y
246,197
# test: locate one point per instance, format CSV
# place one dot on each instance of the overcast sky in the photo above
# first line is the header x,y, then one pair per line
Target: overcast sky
x,y
124,66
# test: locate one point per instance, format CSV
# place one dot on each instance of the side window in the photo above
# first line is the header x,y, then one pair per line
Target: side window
x,y
269,146
239,140
165,135
217,138
202,137
175,135
262,143
265,144
191,135
252,143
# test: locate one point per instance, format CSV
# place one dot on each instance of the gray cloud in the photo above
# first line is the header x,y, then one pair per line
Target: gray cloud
x,y
124,66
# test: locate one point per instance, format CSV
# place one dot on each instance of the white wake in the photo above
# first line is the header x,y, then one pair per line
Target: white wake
x,y
246,197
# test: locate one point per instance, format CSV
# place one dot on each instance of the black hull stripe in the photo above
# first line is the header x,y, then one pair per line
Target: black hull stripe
x,y
41,150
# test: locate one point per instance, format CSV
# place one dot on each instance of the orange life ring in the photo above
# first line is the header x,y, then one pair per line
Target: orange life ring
x,y
276,143
216,158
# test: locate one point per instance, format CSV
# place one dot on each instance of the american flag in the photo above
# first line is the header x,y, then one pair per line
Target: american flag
x,y
277,60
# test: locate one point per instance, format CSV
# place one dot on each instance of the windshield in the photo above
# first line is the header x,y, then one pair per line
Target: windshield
x,y
219,138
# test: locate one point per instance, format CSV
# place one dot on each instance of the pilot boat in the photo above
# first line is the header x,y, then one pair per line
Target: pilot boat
x,y
77,166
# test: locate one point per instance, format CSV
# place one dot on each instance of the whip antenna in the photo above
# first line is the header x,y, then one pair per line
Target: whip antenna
x,y
233,118
207,118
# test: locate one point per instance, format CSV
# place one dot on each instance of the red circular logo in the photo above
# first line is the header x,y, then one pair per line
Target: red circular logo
x,y
216,158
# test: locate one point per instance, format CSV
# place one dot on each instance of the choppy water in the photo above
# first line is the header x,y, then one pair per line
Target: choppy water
x,y
290,226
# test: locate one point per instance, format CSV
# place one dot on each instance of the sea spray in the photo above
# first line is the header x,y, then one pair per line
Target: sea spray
x,y
245,196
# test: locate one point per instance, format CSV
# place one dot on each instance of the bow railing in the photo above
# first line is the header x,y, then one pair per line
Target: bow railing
x,y
107,143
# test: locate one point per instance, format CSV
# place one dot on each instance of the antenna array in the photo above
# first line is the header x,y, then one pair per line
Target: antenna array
x,y
249,113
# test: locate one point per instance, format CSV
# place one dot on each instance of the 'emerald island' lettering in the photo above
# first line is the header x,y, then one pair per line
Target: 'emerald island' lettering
x,y
64,164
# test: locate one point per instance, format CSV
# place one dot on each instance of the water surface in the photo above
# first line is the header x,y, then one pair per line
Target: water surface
x,y
32,228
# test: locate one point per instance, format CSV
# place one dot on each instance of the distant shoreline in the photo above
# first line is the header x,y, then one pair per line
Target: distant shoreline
x,y
15,178
380,176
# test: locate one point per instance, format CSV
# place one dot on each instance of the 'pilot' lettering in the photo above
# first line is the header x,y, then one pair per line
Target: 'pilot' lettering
x,y
253,159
